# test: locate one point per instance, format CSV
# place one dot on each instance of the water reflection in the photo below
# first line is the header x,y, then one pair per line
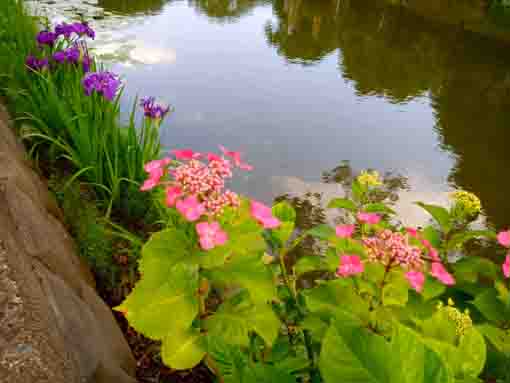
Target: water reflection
x,y
225,10
130,7
392,53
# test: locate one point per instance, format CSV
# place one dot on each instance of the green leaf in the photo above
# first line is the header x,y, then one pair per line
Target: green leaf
x,y
433,236
284,212
315,325
164,249
460,238
440,215
395,291
337,298
156,310
472,353
490,306
378,208
358,190
247,271
322,232
308,263
283,232
355,355
498,337
432,288
342,203
183,349
234,320
470,269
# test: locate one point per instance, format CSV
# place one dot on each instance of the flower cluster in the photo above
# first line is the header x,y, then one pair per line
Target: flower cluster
x,y
195,186
79,29
69,51
393,249
153,110
369,178
104,83
36,64
504,240
462,321
466,204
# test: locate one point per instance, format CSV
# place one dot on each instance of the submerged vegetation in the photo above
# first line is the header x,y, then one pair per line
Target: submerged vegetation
x,y
215,284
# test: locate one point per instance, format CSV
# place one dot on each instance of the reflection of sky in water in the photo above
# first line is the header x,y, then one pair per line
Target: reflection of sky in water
x,y
228,86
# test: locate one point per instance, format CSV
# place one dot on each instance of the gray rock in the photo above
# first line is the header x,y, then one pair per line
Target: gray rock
x,y
53,326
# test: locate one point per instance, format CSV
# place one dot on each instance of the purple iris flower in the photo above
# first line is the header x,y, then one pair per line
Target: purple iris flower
x,y
70,55
36,64
46,38
80,29
153,110
87,62
105,83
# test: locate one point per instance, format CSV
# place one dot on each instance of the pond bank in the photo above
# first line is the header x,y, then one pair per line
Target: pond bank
x,y
53,325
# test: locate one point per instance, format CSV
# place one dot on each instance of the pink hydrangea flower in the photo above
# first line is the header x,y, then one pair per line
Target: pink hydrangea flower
x,y
345,231
186,154
350,265
264,215
236,157
439,272
190,208
369,218
506,267
213,157
416,279
172,193
153,180
210,235
504,238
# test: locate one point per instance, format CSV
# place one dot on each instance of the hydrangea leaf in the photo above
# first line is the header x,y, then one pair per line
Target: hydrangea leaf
x,y
353,354
236,318
183,349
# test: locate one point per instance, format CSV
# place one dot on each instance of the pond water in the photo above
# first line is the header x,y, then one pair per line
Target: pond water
x,y
302,85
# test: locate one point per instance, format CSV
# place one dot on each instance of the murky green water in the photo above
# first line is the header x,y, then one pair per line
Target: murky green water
x,y
301,85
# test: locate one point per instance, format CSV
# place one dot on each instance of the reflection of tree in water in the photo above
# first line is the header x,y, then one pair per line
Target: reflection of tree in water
x,y
128,7
305,31
391,52
225,10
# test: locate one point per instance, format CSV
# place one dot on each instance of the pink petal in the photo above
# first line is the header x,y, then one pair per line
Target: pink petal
x,y
270,222
434,255
259,209
206,242
370,218
202,228
172,193
220,238
149,184
344,231
439,272
245,167
416,279
350,265
185,154
412,232
504,238
213,157
506,267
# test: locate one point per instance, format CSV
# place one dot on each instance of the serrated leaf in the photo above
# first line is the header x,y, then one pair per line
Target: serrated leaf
x,y
183,349
322,232
353,354
342,203
156,309
432,288
247,271
233,322
440,215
